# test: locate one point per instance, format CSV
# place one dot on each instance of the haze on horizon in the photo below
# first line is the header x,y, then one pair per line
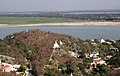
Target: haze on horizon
x,y
57,5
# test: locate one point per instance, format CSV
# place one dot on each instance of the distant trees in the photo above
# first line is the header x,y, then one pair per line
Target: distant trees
x,y
68,68
34,70
115,60
117,44
69,15
100,70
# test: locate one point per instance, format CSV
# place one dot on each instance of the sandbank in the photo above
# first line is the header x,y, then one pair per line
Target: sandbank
x,y
65,24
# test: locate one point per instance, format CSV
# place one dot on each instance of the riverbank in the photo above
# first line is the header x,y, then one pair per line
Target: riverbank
x,y
65,24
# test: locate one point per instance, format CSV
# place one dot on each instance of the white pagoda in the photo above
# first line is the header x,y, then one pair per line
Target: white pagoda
x,y
102,41
56,45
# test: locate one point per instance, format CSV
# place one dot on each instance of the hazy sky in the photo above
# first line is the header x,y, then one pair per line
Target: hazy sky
x,y
57,5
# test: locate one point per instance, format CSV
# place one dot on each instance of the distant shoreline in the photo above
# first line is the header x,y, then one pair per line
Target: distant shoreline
x,y
65,24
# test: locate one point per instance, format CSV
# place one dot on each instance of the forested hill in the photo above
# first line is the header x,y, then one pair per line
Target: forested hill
x,y
52,54
37,46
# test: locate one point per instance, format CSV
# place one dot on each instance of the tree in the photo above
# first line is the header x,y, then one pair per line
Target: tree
x,y
51,72
103,70
117,44
69,69
22,68
87,61
81,66
115,61
97,74
81,54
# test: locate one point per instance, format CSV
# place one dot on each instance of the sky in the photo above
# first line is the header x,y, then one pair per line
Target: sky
x,y
57,5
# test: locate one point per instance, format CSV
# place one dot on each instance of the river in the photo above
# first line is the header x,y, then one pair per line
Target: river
x,y
83,32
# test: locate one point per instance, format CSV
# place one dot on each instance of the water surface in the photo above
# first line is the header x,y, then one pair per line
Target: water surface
x,y
83,32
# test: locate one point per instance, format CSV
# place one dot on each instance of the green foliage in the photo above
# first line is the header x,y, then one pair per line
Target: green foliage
x,y
117,44
81,66
51,72
94,74
32,20
61,66
115,61
81,54
103,70
97,74
69,69
87,61
34,70
22,68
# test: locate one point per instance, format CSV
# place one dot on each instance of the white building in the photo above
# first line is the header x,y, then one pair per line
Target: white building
x,y
98,61
94,54
102,41
101,62
74,54
56,45
9,67
61,43
109,43
92,40
0,61
71,74
87,55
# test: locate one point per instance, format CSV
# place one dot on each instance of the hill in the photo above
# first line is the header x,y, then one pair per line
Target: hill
x,y
37,46
51,54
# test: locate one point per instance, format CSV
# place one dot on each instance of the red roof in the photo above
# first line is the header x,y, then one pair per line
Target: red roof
x,y
97,60
4,67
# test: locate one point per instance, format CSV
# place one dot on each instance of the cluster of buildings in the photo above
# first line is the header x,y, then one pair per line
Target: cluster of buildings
x,y
97,59
7,64
8,67
96,55
102,41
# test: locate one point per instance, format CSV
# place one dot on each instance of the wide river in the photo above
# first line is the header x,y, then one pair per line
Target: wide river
x,y
83,32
